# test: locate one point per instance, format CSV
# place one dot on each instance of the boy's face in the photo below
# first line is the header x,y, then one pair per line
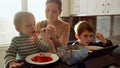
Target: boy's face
x,y
28,26
85,38
52,12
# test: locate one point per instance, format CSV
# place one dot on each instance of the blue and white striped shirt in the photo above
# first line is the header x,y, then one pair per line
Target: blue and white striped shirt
x,y
22,46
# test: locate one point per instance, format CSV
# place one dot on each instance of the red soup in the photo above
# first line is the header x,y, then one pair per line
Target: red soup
x,y
41,58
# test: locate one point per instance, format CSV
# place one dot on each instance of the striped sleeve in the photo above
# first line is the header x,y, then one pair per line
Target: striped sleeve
x,y
10,53
43,46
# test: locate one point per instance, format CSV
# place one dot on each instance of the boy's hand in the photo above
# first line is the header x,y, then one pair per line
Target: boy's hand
x,y
14,64
101,37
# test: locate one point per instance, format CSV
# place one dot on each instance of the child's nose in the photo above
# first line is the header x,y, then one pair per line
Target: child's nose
x,y
33,28
89,38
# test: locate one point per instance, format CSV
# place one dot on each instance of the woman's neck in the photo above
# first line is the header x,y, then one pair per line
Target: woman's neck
x,y
55,23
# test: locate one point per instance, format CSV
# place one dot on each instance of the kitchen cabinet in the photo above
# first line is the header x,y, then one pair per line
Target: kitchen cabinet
x,y
91,7
103,7
78,7
112,7
94,7
65,8
100,7
72,7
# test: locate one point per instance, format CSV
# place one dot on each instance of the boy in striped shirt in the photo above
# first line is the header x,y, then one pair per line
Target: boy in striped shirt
x,y
26,43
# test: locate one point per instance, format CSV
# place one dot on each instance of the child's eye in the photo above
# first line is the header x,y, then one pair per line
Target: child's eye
x,y
47,10
91,35
86,36
28,25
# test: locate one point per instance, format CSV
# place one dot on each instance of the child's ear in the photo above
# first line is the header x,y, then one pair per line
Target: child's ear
x,y
17,29
77,36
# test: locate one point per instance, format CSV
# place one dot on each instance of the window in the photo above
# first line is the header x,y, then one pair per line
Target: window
x,y
8,10
37,7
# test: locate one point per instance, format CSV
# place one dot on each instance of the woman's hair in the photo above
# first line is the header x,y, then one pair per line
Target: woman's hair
x,y
82,26
20,17
57,2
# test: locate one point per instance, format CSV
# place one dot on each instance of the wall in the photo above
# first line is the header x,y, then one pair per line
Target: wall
x,y
109,27
103,25
2,54
116,26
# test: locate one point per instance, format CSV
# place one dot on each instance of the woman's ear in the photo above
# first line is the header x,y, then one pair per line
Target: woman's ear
x,y
60,12
77,36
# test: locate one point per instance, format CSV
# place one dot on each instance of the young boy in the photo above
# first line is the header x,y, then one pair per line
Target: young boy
x,y
84,35
26,43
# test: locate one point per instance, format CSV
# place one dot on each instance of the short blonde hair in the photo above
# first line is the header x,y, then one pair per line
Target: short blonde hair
x,y
81,26
20,16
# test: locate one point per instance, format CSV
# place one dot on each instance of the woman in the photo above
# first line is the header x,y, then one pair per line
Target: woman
x,y
56,31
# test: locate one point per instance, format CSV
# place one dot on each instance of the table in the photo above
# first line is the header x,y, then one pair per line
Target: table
x,y
99,62
58,64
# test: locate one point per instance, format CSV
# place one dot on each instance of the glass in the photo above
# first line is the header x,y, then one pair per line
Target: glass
x,y
72,56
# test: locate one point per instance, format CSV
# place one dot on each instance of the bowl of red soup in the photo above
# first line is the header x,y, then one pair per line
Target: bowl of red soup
x,y
42,58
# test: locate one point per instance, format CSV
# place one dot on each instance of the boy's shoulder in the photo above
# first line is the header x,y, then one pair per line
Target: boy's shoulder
x,y
17,38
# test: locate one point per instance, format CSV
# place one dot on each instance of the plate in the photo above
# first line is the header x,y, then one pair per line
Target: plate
x,y
53,56
92,48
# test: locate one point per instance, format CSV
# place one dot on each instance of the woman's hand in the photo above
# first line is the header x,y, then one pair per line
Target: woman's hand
x,y
100,37
46,34
14,64
51,30
35,38
38,27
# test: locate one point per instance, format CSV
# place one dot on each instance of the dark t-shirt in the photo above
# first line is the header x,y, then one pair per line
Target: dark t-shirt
x,y
109,43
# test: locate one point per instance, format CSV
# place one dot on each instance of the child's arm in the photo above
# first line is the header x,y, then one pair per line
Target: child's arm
x,y
100,37
10,53
105,42
14,64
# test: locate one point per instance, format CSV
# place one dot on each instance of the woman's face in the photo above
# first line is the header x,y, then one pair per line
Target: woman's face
x,y
52,12
86,37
